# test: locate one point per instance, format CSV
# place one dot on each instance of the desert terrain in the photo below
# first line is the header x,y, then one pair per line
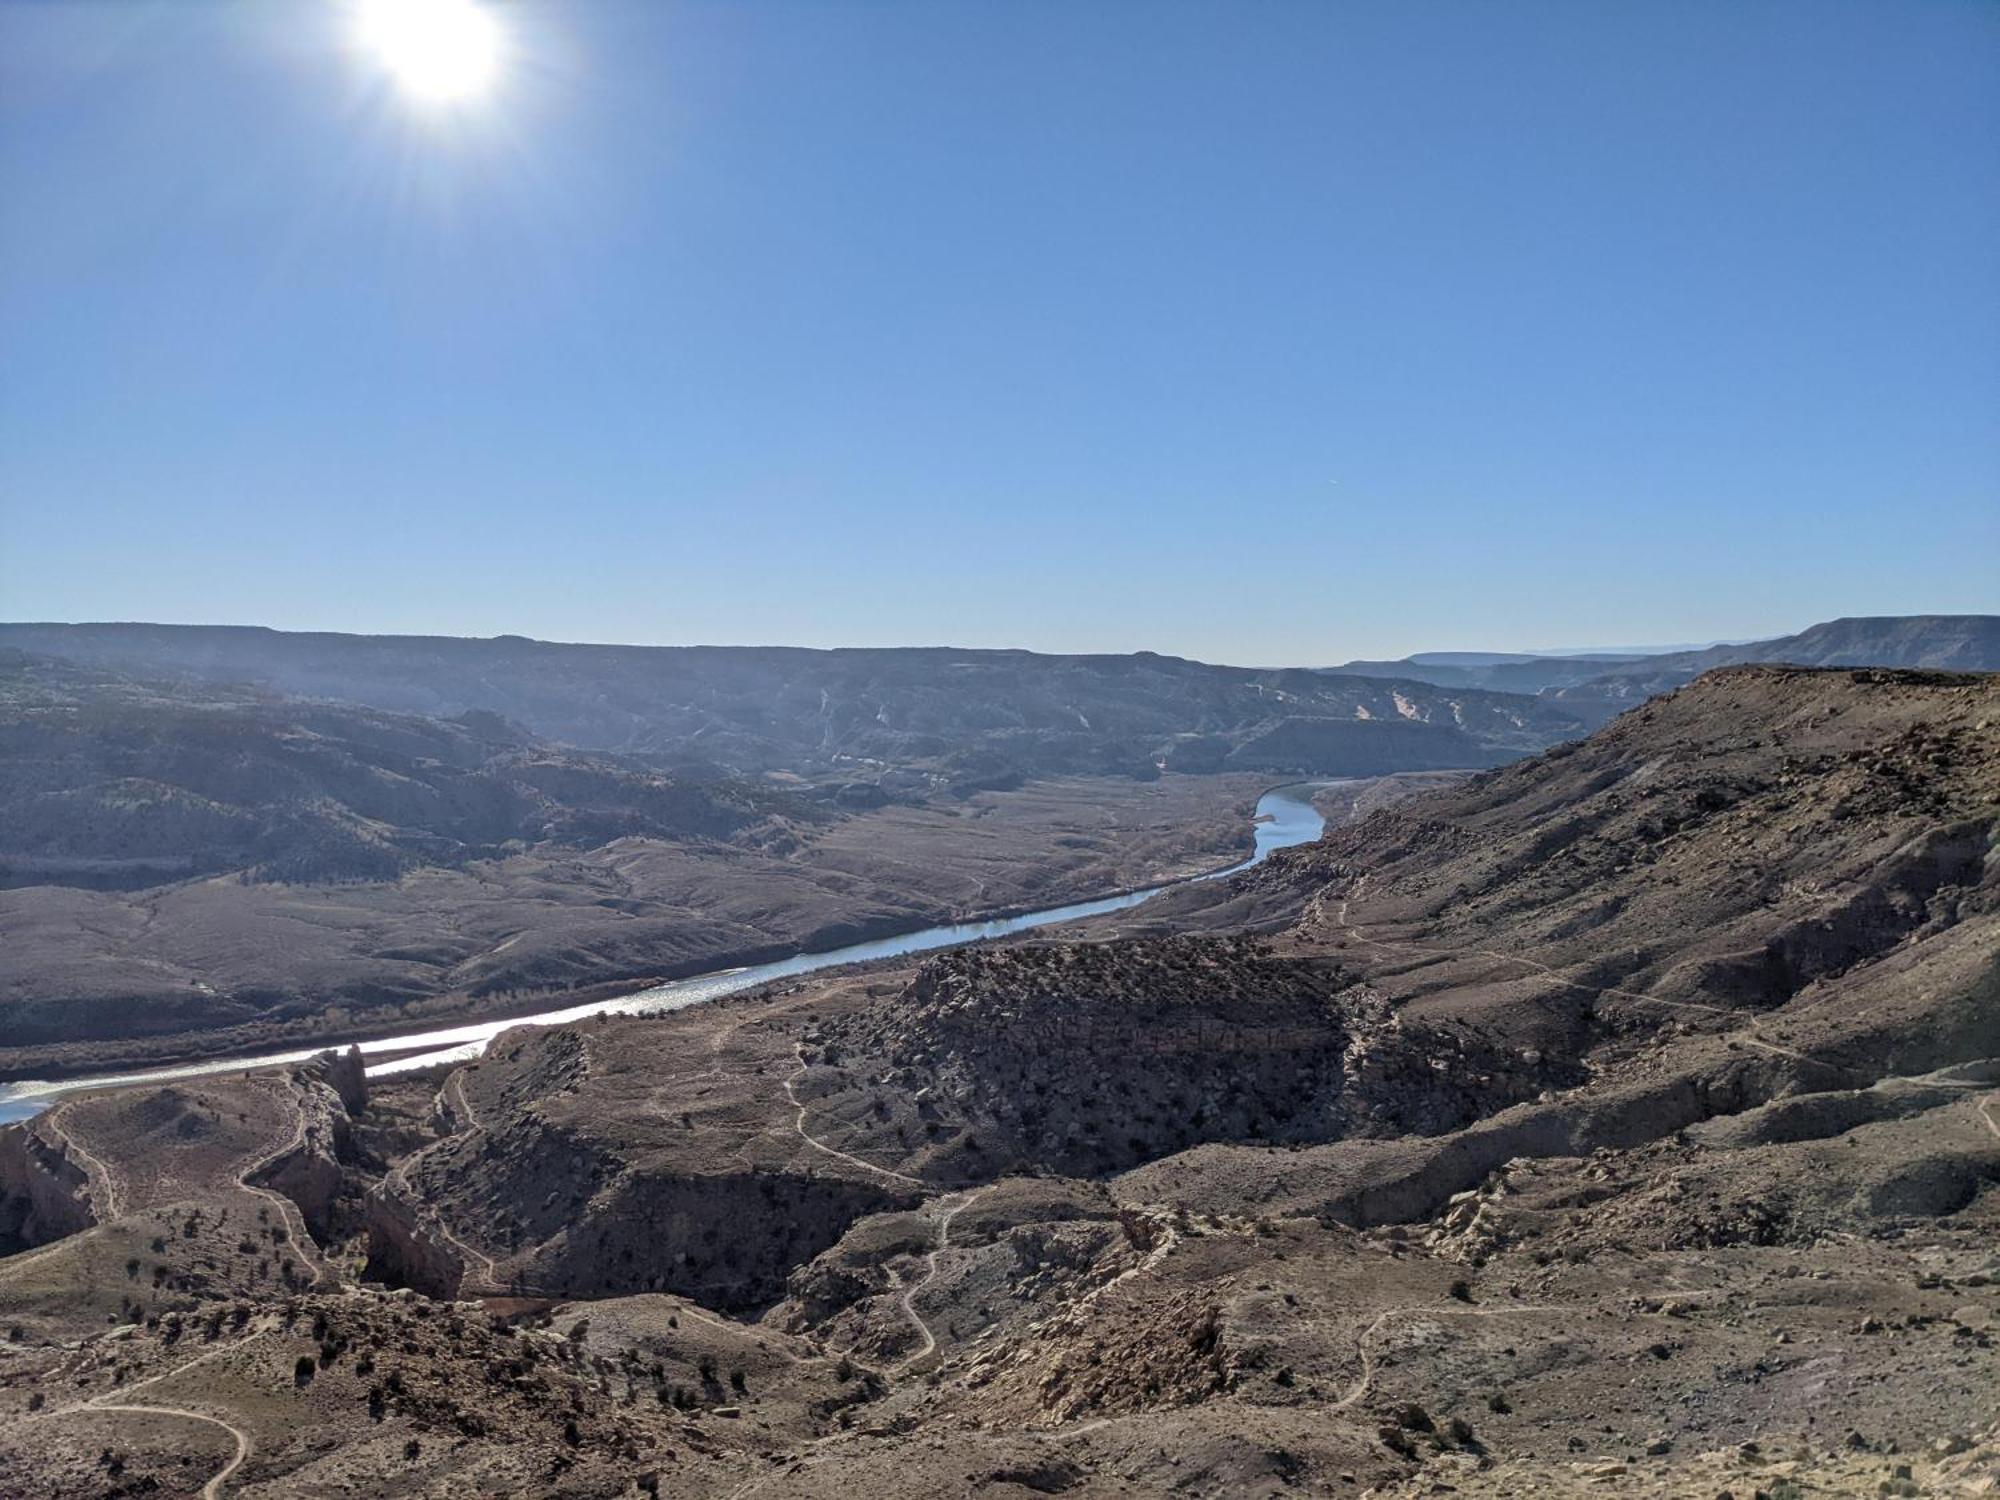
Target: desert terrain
x,y
1624,1120
220,842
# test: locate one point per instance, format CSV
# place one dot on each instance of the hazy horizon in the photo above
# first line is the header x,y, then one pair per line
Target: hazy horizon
x,y
1294,333
1660,648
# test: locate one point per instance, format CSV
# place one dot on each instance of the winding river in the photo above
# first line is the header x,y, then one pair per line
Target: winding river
x,y
1285,816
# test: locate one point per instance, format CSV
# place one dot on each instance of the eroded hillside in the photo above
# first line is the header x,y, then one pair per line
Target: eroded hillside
x,y
981,718
193,869
1625,1119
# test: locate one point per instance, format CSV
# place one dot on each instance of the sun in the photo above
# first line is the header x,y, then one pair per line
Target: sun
x,y
438,51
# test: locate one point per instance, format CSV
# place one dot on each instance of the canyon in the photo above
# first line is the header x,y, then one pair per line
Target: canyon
x,y
1625,1117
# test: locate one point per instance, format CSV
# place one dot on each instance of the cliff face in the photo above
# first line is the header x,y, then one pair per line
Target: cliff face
x,y
406,1248
309,1172
344,1073
44,1194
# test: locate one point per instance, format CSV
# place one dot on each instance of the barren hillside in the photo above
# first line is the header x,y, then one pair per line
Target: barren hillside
x,y
1628,1119
977,717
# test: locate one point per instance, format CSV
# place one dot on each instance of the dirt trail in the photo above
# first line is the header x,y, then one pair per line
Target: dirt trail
x,y
105,1183
764,1338
295,1221
94,1167
451,1097
213,1489
493,1285
799,1125
455,1087
953,1204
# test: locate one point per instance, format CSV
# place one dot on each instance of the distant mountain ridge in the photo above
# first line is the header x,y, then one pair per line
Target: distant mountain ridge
x,y
116,783
1950,643
964,716
1600,686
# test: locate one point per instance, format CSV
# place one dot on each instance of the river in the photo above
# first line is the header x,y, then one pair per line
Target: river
x,y
1285,816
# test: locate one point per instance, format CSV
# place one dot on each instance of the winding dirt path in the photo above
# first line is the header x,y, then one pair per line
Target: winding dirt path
x,y
451,1097
213,1489
799,1125
105,1181
952,1204
95,1168
294,1219
493,1285
462,1110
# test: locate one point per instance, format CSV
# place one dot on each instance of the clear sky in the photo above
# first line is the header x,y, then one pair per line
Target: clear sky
x,y
1254,331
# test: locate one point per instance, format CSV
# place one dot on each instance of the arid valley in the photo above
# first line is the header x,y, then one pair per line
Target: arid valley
x,y
1623,1117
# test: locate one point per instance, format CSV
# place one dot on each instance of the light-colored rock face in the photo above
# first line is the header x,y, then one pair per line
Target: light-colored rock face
x,y
44,1194
308,1171
405,1249
342,1071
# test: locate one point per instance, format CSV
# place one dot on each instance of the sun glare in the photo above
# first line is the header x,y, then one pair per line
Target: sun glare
x,y
438,51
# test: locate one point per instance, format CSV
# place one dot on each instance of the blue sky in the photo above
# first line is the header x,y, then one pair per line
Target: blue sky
x,y
1260,332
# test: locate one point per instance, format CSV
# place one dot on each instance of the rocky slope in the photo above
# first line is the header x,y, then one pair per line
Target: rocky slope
x,y
1626,1120
1086,1058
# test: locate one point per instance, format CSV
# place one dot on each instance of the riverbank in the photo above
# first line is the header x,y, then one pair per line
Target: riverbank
x,y
225,961
1282,816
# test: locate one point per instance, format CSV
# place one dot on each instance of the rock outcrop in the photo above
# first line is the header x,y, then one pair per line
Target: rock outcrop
x,y
344,1073
44,1193
1083,1058
309,1171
